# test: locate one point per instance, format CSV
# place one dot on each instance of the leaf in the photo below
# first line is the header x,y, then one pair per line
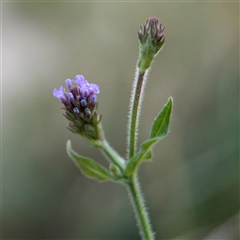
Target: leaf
x,y
148,155
161,122
89,167
158,131
143,154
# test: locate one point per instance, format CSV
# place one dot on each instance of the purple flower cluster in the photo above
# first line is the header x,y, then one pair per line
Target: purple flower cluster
x,y
80,104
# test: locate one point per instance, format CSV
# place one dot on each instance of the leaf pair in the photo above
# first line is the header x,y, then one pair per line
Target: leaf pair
x,y
159,131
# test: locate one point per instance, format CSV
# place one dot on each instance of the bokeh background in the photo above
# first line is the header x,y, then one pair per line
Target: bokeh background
x,y
192,185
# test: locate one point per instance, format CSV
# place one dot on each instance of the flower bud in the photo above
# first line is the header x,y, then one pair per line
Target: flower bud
x,y
151,39
115,170
70,97
83,102
69,83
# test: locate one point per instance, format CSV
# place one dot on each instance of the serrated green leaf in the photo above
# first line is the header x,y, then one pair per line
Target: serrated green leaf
x,y
161,122
89,167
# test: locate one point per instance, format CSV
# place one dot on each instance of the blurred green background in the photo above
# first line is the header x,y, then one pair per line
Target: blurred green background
x,y
191,187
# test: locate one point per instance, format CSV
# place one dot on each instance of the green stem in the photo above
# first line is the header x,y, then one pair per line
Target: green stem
x,y
108,151
140,210
112,155
136,100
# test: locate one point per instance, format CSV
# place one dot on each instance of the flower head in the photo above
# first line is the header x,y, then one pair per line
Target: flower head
x,y
80,105
151,40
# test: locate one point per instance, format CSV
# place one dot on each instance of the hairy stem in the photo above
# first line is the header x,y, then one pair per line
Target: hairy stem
x,y
140,210
112,155
135,107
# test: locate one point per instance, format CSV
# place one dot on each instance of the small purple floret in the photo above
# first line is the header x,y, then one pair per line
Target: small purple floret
x,y
69,83
84,90
59,93
83,102
93,88
93,100
75,110
70,97
87,113
79,79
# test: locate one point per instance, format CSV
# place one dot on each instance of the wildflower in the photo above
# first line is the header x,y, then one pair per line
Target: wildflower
x,y
151,40
80,105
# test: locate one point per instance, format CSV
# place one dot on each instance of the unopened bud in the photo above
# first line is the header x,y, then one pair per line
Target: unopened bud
x,y
151,40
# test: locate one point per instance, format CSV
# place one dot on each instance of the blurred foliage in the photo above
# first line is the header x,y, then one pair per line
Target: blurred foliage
x,y
191,186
